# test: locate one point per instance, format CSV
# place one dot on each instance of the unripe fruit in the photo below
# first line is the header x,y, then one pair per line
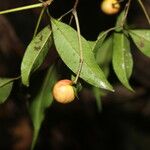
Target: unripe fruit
x,y
110,7
63,91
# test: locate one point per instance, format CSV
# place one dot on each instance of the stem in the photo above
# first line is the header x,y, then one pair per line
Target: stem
x,y
75,4
48,13
44,4
21,8
38,22
107,31
144,10
70,21
65,14
13,79
73,9
80,46
126,12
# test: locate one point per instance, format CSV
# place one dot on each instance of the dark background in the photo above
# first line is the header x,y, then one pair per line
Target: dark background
x,y
123,123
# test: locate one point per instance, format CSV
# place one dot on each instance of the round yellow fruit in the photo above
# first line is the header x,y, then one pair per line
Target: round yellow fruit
x,y
63,91
110,7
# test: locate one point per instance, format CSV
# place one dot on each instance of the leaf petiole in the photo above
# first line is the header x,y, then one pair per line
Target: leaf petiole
x,y
38,22
80,46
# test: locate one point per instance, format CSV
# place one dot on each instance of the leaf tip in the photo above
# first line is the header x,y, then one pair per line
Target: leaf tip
x,y
107,86
25,82
131,89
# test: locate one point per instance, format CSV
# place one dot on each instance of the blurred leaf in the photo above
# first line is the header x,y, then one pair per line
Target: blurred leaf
x,y
141,39
5,81
122,58
104,53
97,94
35,54
5,88
99,41
42,101
106,69
67,45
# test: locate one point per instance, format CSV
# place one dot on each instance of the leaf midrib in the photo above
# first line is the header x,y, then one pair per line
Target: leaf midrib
x,y
36,56
74,49
132,32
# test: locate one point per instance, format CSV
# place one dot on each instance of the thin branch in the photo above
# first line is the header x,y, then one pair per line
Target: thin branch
x,y
144,10
11,80
43,4
75,4
107,31
80,46
70,21
38,22
73,9
126,12
65,14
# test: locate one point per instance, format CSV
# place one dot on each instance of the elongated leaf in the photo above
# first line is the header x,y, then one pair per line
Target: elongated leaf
x,y
35,54
141,39
122,58
91,43
5,88
43,100
120,21
66,42
97,93
5,81
104,53
99,41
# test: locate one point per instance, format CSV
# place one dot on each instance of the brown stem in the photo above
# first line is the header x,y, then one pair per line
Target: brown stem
x,y
74,9
75,4
80,47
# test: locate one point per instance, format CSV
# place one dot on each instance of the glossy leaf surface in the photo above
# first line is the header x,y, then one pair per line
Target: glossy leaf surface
x,y
141,39
122,58
35,54
67,45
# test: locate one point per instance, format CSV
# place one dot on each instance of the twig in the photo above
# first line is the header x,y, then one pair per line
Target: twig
x,y
144,10
43,4
74,9
75,4
80,47
126,12
38,22
65,14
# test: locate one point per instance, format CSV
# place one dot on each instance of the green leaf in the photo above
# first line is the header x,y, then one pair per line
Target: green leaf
x,y
97,94
104,53
35,54
120,21
91,43
42,101
141,39
66,42
122,58
99,41
5,88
